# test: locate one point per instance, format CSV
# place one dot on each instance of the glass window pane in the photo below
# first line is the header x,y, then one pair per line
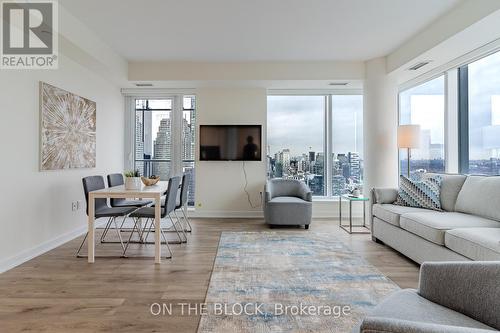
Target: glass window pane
x,y
154,130
424,105
188,102
347,143
188,144
140,104
295,136
484,115
153,145
160,104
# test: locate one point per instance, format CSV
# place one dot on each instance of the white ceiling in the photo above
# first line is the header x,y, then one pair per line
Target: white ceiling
x,y
256,30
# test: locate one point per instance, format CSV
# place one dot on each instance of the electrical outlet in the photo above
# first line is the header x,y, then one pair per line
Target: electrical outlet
x,y
79,204
74,205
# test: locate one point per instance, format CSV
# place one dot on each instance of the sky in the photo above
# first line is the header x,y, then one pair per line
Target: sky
x,y
297,123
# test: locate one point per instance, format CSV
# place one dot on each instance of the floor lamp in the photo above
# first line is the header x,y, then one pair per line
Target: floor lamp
x,y
409,138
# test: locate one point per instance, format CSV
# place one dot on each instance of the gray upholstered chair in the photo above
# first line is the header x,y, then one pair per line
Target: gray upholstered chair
x,y
287,202
453,297
93,183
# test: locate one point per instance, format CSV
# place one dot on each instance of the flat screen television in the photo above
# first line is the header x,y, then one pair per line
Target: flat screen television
x,y
230,142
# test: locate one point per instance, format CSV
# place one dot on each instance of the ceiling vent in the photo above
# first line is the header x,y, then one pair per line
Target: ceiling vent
x,y
337,84
419,65
143,84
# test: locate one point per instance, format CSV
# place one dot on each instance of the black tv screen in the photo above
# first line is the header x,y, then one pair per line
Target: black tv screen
x,y
230,142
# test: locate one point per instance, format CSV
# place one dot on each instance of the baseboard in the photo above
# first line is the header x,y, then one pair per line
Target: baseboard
x,y
255,214
40,249
226,214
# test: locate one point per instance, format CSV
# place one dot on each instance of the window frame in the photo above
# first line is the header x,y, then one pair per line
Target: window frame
x,y
131,95
327,129
413,84
456,105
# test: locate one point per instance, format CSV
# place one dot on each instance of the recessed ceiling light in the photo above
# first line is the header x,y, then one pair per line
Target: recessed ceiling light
x,y
143,84
338,83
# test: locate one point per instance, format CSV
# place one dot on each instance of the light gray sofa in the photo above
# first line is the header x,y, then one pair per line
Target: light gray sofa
x,y
468,229
287,202
452,297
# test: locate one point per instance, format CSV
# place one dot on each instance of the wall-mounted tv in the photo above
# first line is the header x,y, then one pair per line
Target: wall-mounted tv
x,y
230,142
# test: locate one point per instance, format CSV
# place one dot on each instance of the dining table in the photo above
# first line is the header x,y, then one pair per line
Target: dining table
x,y
153,192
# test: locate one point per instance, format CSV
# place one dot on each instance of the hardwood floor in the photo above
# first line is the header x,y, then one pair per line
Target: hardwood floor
x,y
57,292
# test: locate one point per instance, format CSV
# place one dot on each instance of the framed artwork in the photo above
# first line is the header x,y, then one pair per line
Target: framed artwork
x,y
67,130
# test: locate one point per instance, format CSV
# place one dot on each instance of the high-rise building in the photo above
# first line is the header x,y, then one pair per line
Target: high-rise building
x,y
162,149
354,167
139,143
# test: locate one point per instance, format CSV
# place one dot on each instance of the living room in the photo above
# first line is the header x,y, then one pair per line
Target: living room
x,y
250,166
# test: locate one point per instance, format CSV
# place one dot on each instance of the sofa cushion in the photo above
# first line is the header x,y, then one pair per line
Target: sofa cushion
x,y
450,188
390,213
287,200
480,196
423,193
475,243
433,225
407,304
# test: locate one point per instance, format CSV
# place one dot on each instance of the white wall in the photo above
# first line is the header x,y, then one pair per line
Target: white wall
x,y
245,71
219,185
36,206
380,127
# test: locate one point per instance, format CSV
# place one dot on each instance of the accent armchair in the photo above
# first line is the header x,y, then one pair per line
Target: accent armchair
x,y
287,202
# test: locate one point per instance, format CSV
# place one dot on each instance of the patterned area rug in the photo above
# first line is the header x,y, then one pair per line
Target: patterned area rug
x,y
289,282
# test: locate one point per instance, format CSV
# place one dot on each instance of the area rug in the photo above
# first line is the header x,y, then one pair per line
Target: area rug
x,y
289,282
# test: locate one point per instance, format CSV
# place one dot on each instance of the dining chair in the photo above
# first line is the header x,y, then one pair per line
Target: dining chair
x,y
149,214
181,203
102,210
116,179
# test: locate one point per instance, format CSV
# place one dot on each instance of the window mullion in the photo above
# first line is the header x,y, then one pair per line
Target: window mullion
x,y
328,145
463,118
176,163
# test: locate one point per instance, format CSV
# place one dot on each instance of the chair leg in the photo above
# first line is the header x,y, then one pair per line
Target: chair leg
x,y
81,245
176,230
183,229
118,232
168,246
130,237
106,228
189,228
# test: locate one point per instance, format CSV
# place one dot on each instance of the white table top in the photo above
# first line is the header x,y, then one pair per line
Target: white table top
x,y
160,188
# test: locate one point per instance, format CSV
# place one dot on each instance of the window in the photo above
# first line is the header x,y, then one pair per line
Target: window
x,y
299,128
424,105
158,124
480,116
347,143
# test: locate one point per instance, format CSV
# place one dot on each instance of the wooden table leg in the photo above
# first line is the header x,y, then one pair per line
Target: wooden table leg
x,y
90,238
158,229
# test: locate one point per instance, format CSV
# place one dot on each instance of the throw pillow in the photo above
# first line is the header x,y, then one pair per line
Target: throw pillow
x,y
425,193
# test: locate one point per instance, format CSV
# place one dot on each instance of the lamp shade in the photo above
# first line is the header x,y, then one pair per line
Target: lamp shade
x,y
409,136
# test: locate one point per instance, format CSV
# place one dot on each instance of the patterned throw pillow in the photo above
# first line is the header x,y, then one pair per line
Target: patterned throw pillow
x,y
421,194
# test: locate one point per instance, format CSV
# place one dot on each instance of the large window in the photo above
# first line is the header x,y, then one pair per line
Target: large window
x,y
317,139
480,116
424,105
165,137
347,143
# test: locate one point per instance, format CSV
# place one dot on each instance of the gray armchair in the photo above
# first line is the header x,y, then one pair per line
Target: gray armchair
x,y
453,297
287,202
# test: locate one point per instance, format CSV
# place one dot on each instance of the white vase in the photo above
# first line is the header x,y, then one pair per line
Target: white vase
x,y
133,183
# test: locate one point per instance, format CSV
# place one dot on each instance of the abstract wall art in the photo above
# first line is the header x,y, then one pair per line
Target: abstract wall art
x,y
67,130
